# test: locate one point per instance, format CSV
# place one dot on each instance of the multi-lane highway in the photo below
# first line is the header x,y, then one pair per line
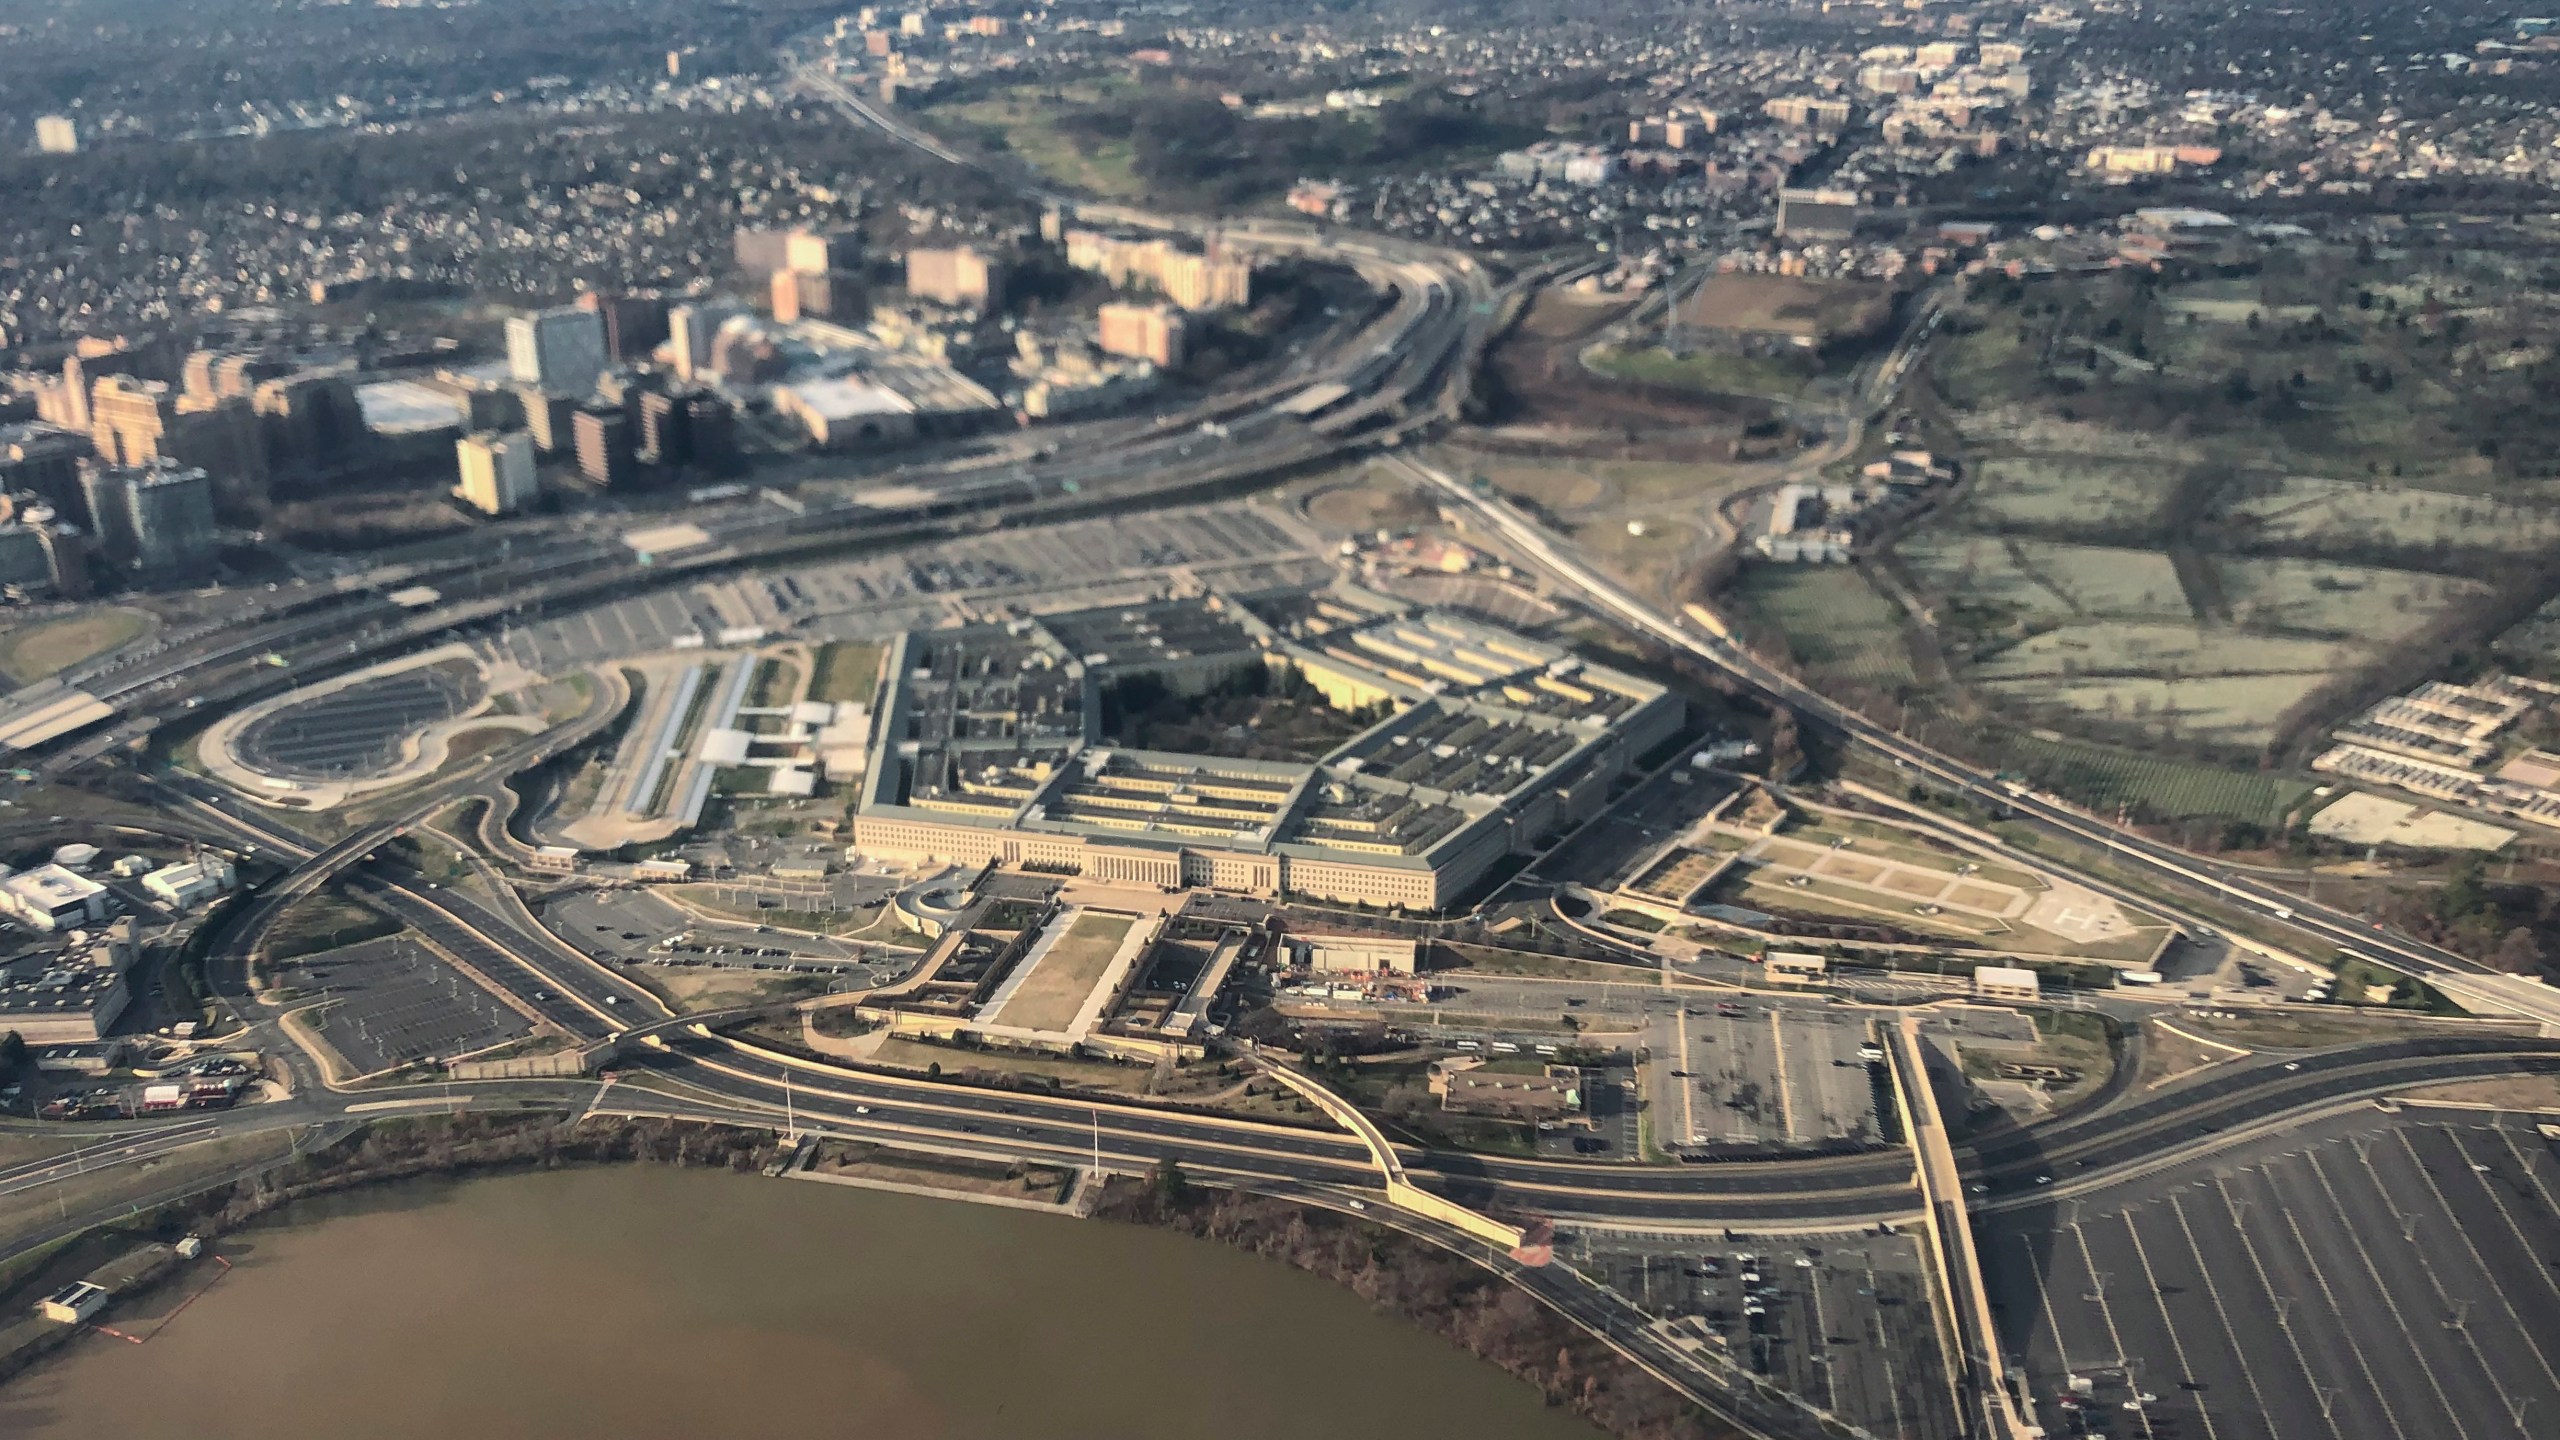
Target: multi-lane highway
x,y
1392,377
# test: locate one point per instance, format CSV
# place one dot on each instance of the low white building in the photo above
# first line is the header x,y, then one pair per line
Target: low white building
x,y
1355,954
51,898
1794,965
184,885
2005,982
74,1304
848,412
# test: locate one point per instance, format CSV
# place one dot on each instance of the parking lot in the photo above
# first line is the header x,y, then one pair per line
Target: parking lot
x,y
637,927
1764,1075
356,731
2366,1276
391,1002
1244,548
1844,1322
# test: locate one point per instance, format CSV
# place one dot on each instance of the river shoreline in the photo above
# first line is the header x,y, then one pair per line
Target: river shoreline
x,y
1401,1276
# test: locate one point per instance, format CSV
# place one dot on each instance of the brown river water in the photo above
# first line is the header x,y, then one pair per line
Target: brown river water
x,y
647,1302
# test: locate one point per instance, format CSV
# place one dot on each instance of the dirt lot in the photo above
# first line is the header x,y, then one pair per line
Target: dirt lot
x,y
938,1172
1359,502
1535,392
1820,310
1058,985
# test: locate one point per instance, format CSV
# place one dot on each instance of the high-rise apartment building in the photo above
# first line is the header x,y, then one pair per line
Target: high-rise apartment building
x,y
230,374
1808,111
835,295
816,252
959,276
1206,282
130,419
89,362
134,422
760,252
1194,280
560,349
1144,332
497,474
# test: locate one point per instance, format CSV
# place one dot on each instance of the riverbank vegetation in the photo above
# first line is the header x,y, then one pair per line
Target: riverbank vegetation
x,y
1441,1293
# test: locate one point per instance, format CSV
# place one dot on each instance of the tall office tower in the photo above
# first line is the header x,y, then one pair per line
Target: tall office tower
x,y
22,562
815,252
155,518
691,332
626,386
547,418
309,420
497,476
223,436
634,325
560,349
103,505
959,277
57,135
713,431
44,460
172,509
66,553
605,452
39,551
665,437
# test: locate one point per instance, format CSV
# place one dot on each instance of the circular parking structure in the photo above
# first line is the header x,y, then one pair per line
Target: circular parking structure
x,y
360,730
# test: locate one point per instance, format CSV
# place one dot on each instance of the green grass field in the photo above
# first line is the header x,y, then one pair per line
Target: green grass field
x,y
325,921
1837,625
776,682
53,646
2171,789
1028,125
846,672
1711,371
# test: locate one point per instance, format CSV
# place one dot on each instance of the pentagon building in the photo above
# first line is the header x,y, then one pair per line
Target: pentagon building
x,y
988,747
